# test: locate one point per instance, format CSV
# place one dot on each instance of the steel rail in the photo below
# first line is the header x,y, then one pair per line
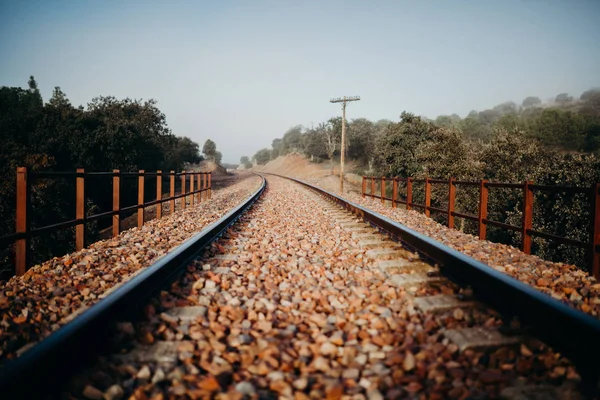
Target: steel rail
x,y
49,364
572,332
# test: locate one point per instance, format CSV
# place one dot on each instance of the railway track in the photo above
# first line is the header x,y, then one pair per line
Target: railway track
x,y
308,296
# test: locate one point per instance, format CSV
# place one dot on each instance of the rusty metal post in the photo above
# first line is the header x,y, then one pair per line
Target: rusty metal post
x,y
22,222
172,192
409,183
159,194
427,197
372,187
527,217
483,206
383,190
364,187
451,201
80,209
183,192
205,179
199,184
595,232
140,211
209,185
116,202
193,195
394,191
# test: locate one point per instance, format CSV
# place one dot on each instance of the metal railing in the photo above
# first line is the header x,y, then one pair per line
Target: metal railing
x,y
193,184
526,230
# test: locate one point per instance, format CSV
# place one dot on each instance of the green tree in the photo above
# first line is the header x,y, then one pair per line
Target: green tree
x,y
209,149
531,101
563,99
292,140
262,156
276,145
396,151
245,161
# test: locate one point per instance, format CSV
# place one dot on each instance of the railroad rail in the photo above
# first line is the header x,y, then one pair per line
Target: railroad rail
x,y
49,363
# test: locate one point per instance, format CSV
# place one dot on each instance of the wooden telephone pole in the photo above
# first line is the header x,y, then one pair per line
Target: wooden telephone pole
x,y
344,100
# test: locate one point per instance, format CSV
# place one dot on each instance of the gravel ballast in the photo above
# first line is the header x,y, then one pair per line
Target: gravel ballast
x,y
34,305
288,305
563,282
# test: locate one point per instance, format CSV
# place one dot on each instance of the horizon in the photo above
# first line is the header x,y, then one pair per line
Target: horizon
x,y
459,57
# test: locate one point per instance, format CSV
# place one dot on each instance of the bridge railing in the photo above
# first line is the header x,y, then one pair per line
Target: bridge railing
x,y
193,186
528,188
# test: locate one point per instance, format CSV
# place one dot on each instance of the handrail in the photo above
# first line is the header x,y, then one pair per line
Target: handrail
x,y
193,185
526,228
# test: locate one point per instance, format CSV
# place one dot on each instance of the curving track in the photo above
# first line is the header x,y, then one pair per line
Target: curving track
x,y
302,299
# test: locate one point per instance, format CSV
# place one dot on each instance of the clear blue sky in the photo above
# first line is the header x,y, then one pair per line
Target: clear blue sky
x,y
243,72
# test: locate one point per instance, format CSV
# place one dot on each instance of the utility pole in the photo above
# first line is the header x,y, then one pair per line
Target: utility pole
x,y
344,100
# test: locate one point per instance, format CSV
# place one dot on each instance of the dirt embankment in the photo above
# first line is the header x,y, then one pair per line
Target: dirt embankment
x,y
297,166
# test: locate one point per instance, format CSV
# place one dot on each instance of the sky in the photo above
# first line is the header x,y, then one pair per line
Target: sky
x,y
243,72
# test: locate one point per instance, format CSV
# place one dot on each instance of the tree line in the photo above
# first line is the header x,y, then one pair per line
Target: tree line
x,y
107,134
553,144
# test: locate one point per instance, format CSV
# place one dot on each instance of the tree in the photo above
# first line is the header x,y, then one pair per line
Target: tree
x,y
313,142
218,157
292,140
489,116
508,107
276,145
447,120
59,98
361,140
531,101
563,99
591,95
262,156
209,149
331,141
245,161
183,150
396,151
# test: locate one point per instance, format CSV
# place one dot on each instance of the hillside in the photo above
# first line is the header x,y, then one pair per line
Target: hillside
x,y
208,166
297,166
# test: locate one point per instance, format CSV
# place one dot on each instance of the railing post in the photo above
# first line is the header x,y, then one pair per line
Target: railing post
x,y
22,222
209,185
394,191
172,192
427,197
183,190
451,202
483,206
199,184
116,202
364,187
383,190
595,232
80,209
159,194
193,195
527,217
205,179
140,211
372,187
409,183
